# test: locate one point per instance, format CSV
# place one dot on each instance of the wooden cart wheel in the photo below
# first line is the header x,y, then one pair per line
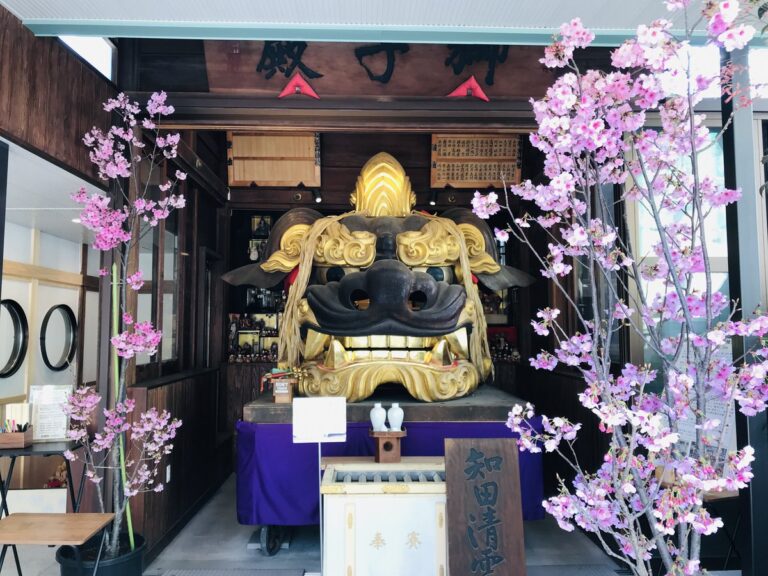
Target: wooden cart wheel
x,y
271,539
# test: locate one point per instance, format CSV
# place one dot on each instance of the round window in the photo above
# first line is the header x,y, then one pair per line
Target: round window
x,y
58,337
14,336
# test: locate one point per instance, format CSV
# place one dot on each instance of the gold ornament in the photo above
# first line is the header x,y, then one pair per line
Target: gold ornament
x,y
433,245
357,381
338,246
287,257
383,189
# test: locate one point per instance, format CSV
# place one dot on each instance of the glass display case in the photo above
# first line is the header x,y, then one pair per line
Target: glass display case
x,y
253,337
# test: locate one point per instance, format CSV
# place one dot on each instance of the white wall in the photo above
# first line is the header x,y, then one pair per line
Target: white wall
x,y
18,243
59,254
37,296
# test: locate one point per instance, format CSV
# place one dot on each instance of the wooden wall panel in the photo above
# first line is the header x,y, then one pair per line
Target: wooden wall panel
x,y
48,96
342,157
195,462
242,387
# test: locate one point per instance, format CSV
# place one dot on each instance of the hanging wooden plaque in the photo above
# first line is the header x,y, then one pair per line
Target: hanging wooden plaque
x,y
475,160
485,519
273,159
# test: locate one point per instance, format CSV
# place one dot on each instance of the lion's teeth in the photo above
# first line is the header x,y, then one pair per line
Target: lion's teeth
x,y
440,354
377,342
336,356
415,342
459,343
315,344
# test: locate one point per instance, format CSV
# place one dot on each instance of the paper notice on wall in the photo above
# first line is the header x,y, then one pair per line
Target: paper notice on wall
x,y
49,421
723,437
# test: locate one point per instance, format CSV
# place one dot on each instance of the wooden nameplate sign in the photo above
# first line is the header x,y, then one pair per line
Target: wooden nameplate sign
x,y
485,526
475,160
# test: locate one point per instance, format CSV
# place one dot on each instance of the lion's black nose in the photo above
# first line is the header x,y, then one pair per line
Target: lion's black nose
x,y
388,284
387,298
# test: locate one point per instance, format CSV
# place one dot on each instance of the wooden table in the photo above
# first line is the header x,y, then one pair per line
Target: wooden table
x,y
44,449
51,530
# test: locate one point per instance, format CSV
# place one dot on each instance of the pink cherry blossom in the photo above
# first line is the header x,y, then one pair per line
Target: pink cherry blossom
x,y
501,235
594,131
485,206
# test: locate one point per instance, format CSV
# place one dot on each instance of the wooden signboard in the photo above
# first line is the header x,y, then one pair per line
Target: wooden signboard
x,y
262,69
485,519
273,159
475,160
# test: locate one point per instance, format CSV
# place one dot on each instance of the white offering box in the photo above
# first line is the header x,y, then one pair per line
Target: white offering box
x,y
385,519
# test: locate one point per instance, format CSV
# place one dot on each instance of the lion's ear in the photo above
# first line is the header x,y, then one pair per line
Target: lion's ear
x,y
507,277
282,252
478,236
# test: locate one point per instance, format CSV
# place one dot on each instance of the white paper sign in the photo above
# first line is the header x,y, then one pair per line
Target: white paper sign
x,y
49,421
319,420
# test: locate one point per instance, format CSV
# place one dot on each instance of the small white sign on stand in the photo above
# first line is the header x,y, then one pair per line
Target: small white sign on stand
x,y
318,420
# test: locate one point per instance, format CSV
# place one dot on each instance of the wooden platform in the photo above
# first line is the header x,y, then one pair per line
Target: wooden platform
x,y
488,404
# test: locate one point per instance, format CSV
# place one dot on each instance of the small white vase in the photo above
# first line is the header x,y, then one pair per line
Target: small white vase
x,y
395,415
378,417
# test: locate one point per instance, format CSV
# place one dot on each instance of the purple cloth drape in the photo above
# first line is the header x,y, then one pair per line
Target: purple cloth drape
x,y
277,479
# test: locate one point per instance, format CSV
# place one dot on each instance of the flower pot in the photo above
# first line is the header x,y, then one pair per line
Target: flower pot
x,y
130,563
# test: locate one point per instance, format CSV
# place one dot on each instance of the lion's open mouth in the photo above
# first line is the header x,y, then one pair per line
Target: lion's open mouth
x,y
333,352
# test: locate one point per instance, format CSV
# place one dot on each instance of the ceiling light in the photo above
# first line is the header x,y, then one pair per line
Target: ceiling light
x,y
76,220
433,198
318,195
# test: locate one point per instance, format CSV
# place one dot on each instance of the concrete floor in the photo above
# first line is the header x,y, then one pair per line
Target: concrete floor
x,y
214,540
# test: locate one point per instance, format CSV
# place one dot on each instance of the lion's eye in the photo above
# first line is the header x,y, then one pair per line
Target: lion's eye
x,y
333,274
436,273
441,273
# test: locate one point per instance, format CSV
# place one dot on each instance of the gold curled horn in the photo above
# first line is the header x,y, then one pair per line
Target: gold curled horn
x,y
479,260
287,257
337,246
435,245
383,189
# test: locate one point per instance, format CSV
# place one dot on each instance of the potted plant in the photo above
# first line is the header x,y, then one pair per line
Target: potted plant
x,y
126,448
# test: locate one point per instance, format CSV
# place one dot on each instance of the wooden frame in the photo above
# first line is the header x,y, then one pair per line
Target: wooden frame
x,y
269,159
466,160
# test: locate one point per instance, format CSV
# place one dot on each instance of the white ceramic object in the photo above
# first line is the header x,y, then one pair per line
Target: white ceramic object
x,y
395,416
378,417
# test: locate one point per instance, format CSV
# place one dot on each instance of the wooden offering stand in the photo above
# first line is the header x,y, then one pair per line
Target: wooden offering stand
x,y
388,446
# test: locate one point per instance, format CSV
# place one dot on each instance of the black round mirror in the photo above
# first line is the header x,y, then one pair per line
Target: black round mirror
x,y
14,336
58,337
